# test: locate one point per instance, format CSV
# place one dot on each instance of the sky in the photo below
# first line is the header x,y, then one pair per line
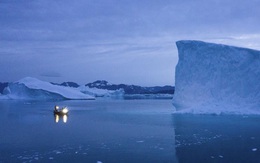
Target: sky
x,y
121,41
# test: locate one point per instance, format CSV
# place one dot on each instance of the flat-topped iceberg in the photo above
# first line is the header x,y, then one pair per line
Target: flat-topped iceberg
x,y
31,88
214,78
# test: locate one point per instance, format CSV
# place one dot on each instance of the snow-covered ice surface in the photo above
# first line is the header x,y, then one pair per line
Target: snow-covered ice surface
x,y
34,89
214,78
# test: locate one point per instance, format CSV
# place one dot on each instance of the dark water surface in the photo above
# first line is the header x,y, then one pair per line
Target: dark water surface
x,y
125,131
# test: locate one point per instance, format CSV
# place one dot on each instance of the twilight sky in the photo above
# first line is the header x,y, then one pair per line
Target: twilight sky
x,y
122,41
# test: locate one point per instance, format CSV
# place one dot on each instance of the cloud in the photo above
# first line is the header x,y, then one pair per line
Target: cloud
x,y
88,39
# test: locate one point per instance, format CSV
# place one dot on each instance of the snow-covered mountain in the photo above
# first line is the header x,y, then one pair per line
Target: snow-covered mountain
x,y
131,89
214,78
102,92
102,88
31,88
67,84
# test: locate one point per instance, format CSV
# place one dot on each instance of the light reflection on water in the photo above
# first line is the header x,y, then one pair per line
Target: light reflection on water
x,y
65,118
57,118
105,131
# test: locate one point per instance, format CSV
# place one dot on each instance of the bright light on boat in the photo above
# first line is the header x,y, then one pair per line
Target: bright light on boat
x,y
65,110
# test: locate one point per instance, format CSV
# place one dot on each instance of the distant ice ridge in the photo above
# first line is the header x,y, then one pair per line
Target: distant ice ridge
x,y
31,88
102,92
214,78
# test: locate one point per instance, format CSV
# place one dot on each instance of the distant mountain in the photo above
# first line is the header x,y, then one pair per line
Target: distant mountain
x,y
103,84
67,84
132,89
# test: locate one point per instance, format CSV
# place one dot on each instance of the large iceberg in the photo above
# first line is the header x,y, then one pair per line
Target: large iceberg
x,y
215,78
34,89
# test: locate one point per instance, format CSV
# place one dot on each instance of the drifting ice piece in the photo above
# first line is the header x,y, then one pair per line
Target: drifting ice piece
x,y
214,78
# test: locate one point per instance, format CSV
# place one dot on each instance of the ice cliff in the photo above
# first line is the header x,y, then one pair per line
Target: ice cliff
x,y
215,78
31,88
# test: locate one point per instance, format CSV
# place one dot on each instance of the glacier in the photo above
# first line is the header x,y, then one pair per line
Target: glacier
x,y
33,89
216,78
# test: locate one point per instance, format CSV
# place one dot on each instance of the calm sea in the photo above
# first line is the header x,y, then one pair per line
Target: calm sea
x,y
123,131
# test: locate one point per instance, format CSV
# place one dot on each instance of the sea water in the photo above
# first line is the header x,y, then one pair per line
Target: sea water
x,y
111,131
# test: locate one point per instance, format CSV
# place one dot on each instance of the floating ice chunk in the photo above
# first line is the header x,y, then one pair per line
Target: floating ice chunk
x,y
58,152
140,141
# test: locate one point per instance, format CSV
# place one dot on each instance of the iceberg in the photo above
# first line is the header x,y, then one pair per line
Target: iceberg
x,y
33,89
215,78
119,93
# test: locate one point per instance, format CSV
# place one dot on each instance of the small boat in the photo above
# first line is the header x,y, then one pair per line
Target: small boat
x,y
63,111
